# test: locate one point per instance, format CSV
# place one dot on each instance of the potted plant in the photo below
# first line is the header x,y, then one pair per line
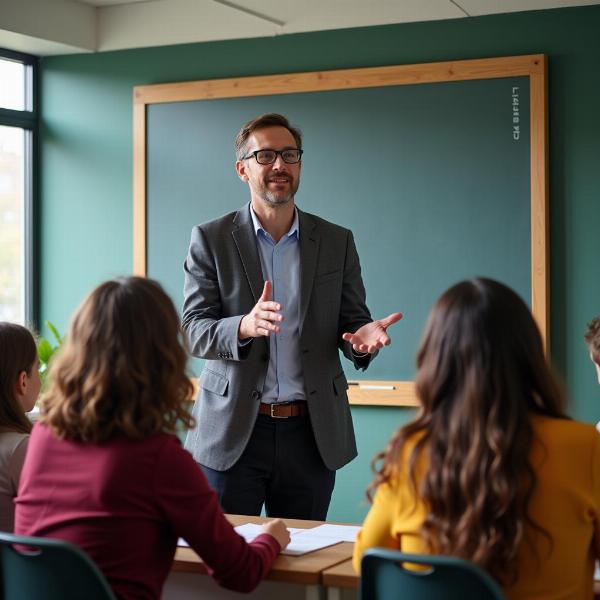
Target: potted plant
x,y
46,349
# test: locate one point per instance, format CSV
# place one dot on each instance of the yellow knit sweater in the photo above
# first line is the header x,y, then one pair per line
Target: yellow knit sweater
x,y
566,503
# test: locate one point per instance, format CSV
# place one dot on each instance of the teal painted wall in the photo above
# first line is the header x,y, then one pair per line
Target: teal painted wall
x,y
86,165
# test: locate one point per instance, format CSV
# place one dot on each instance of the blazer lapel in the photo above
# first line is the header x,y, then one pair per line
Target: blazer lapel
x,y
309,252
245,240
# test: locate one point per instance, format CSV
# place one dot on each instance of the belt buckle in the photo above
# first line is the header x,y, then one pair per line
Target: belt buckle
x,y
273,405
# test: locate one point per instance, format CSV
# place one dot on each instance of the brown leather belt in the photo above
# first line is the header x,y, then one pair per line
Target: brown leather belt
x,y
283,410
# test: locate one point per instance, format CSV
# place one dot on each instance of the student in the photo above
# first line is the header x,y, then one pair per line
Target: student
x,y
592,339
491,469
105,469
19,389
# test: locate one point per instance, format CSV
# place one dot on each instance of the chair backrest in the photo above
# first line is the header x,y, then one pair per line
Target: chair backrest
x,y
390,575
47,569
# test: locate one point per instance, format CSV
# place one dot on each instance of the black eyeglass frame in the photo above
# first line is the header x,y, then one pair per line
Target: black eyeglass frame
x,y
277,152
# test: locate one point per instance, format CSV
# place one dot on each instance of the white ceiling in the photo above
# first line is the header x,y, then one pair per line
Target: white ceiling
x,y
46,27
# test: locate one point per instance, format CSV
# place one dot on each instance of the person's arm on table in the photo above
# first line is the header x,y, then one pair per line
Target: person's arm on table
x,y
192,509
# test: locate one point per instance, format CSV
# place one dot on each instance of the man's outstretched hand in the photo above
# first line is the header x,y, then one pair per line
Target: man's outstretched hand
x,y
264,318
372,336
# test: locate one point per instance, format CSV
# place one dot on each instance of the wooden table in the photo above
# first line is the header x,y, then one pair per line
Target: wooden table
x,y
325,574
341,581
290,578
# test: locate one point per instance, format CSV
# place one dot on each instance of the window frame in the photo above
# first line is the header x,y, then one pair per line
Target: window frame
x,y
28,120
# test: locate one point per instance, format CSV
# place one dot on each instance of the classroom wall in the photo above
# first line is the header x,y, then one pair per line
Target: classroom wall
x,y
86,165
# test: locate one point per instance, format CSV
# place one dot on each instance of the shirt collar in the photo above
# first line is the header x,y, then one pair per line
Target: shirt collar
x,y
294,229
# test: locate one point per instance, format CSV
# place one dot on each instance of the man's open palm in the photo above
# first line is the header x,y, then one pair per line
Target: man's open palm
x,y
372,336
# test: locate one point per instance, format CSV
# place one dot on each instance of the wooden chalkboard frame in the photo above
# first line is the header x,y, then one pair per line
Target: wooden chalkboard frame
x,y
391,393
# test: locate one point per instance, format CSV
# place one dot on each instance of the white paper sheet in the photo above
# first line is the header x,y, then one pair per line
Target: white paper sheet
x,y
341,533
250,530
302,540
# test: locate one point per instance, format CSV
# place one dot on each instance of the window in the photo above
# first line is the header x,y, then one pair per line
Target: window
x,y
18,129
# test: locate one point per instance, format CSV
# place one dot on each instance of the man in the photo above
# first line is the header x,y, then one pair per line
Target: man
x,y
271,293
592,339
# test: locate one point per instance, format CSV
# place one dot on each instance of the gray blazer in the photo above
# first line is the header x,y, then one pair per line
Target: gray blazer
x,y
223,281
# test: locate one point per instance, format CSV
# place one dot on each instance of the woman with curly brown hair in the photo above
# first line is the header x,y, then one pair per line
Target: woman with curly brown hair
x,y
105,469
491,469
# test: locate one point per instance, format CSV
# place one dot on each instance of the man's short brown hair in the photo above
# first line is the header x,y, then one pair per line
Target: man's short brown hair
x,y
592,338
266,120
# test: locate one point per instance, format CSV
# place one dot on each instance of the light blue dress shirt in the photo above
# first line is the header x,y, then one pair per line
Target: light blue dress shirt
x,y
281,266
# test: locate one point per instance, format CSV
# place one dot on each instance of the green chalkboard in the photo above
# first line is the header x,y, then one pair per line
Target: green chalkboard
x,y
433,179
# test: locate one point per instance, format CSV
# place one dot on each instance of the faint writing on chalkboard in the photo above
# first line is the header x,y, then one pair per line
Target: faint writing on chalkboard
x,y
516,128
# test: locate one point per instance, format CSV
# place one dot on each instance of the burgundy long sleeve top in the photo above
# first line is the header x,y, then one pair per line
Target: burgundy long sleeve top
x,y
125,503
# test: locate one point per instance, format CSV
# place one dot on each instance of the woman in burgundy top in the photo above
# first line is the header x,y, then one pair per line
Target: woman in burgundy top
x,y
105,470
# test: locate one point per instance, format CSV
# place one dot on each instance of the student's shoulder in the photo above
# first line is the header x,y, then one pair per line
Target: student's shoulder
x,y
163,442
173,463
565,432
410,442
170,449
399,473
558,425
163,450
12,441
12,437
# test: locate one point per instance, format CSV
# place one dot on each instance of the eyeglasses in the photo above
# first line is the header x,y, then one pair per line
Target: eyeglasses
x,y
268,157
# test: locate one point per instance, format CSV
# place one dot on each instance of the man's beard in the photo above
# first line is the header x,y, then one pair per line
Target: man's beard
x,y
275,198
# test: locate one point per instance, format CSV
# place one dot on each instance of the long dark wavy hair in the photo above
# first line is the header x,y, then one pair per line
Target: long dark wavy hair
x,y
121,370
482,374
17,354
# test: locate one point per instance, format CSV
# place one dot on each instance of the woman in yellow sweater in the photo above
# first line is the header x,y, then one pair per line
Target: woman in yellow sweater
x,y
491,469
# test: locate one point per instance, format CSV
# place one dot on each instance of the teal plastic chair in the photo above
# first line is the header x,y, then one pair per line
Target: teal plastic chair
x,y
384,577
48,570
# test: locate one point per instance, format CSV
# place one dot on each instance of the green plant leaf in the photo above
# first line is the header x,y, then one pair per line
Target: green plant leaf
x,y
54,332
44,350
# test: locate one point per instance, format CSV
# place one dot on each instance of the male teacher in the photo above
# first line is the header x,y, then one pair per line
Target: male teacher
x,y
271,293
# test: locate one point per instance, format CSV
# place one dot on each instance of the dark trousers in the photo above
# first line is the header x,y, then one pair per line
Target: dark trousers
x,y
280,467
